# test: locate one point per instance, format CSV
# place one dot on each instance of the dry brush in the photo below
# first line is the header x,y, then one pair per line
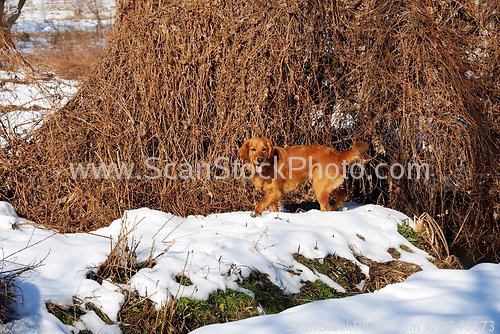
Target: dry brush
x,y
189,81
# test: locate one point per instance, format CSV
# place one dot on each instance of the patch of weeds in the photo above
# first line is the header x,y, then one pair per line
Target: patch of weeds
x,y
8,299
270,297
405,248
450,262
346,273
221,307
273,300
67,314
435,243
394,253
183,280
121,263
317,290
99,312
185,314
409,233
139,315
118,270
382,274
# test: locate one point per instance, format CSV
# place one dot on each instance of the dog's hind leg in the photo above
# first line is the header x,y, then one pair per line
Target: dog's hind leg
x,y
322,195
322,192
323,187
340,196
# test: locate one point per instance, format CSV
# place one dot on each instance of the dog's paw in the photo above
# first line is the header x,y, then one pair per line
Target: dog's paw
x,y
253,214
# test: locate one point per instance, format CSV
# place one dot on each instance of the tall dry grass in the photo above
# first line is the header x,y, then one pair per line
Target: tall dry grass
x,y
190,81
67,54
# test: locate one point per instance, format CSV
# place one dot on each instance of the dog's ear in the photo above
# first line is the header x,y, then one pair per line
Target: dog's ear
x,y
243,152
269,148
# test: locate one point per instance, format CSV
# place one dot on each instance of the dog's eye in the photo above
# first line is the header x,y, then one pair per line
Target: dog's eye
x,y
263,150
253,149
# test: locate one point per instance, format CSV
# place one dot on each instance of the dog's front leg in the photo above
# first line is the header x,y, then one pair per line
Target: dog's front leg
x,y
269,201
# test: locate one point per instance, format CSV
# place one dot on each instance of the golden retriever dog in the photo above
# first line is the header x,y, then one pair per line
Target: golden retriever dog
x,y
278,171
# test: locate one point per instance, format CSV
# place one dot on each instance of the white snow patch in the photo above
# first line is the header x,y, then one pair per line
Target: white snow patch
x,y
213,251
431,301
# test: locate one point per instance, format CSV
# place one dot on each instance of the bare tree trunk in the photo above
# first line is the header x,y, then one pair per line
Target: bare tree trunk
x,y
2,12
8,16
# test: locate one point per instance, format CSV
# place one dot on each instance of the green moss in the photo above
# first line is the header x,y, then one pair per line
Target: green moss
x,y
394,253
186,314
405,248
271,298
140,316
66,314
221,307
344,272
313,291
410,235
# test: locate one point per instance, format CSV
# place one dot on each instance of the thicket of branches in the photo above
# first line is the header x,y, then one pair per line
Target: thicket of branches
x,y
189,81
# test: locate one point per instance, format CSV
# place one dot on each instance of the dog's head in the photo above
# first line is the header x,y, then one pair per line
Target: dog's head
x,y
257,151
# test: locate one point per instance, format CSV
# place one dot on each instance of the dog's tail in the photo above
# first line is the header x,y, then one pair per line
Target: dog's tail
x,y
357,152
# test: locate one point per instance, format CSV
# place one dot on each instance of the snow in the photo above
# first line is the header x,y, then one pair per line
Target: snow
x,y
46,94
215,251
92,322
432,301
30,103
49,16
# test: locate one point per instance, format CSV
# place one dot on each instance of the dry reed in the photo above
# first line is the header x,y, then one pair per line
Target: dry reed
x,y
189,81
121,263
69,54
382,274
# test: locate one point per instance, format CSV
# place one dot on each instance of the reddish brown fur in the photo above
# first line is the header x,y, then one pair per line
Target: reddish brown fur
x,y
275,179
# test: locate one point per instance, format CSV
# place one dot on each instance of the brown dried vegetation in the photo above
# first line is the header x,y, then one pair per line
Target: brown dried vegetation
x,y
71,55
189,81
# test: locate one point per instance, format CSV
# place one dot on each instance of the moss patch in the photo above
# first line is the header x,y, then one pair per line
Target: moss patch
x,y
139,315
394,253
221,307
346,273
66,314
409,233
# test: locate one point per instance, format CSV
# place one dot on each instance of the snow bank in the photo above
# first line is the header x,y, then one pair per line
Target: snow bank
x,y
437,301
216,250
